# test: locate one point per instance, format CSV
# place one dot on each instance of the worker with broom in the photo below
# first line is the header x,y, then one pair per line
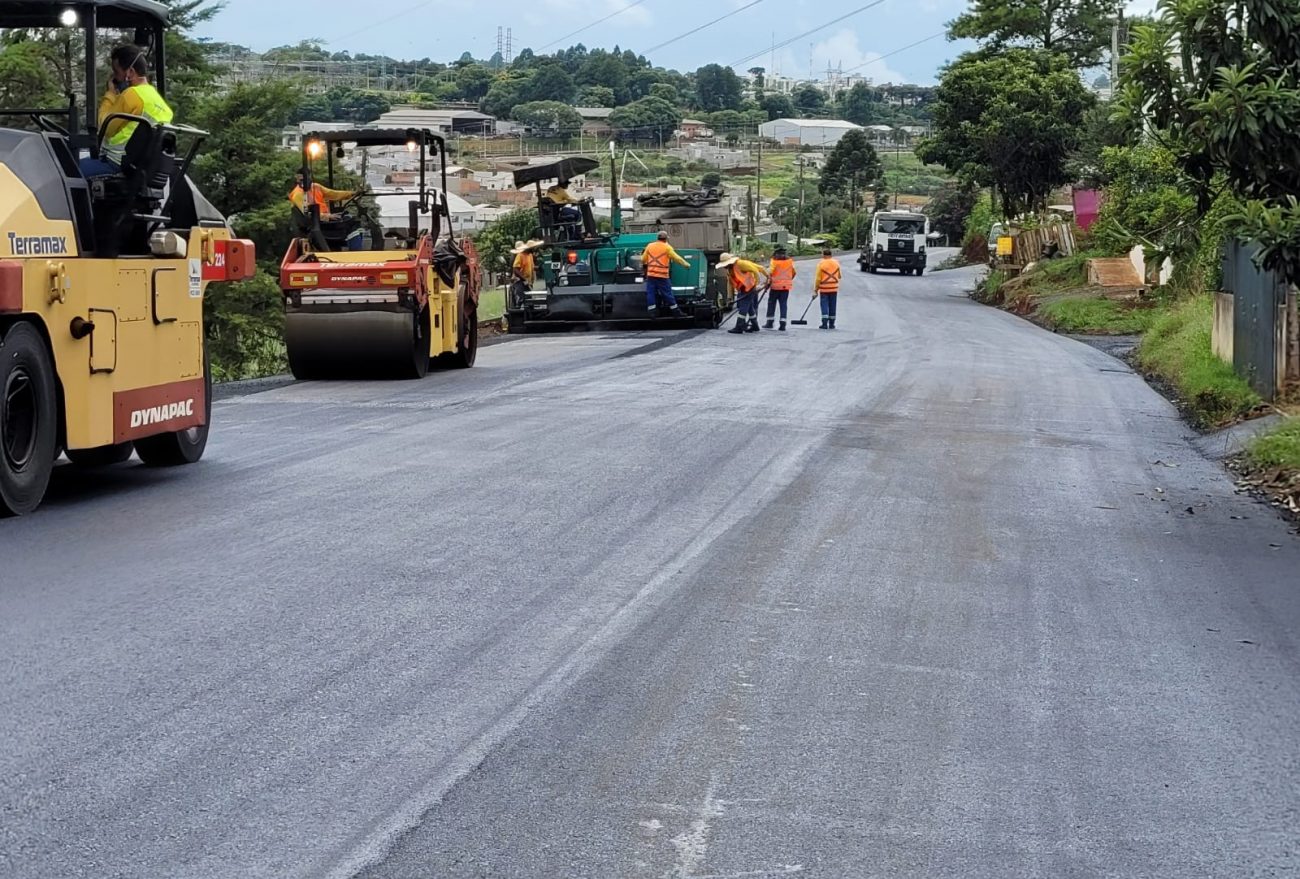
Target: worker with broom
x,y
826,286
744,276
781,271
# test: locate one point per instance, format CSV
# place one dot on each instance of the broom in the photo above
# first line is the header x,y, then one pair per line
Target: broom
x,y
801,322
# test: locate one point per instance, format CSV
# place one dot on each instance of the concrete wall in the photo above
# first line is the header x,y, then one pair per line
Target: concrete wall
x,y
1221,336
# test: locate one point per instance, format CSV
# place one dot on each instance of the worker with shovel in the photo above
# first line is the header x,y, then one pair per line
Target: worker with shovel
x,y
744,276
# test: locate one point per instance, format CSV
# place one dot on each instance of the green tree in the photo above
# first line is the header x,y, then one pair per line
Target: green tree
x,y
502,97
549,82
1078,29
778,106
495,242
1228,108
27,79
547,117
665,92
647,120
859,104
595,96
950,208
604,69
852,166
474,80
809,100
1010,122
718,88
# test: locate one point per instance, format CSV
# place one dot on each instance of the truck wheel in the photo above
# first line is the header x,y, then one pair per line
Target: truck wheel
x,y
467,340
921,271
862,267
28,411
101,456
181,446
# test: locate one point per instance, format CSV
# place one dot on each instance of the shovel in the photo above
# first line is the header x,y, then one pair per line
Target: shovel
x,y
801,322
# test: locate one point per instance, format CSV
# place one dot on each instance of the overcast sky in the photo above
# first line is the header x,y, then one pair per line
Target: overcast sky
x,y
443,29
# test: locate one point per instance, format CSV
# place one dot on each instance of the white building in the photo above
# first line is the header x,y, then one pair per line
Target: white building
x,y
807,132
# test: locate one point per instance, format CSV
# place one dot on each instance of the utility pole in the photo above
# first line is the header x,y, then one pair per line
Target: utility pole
x,y
749,208
760,173
798,239
1114,51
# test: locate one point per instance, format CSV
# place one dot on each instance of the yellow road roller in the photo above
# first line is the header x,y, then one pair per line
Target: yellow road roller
x,y
102,277
377,285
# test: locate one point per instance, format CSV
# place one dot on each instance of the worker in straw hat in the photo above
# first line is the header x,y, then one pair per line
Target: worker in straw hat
x,y
744,276
523,270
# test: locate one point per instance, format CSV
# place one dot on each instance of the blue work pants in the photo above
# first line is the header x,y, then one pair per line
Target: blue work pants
x,y
747,303
828,304
659,290
773,297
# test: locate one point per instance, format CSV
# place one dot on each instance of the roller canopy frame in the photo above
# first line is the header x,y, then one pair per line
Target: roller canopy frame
x,y
564,169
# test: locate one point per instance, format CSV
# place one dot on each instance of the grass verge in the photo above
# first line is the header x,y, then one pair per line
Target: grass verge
x,y
1271,464
1176,350
491,303
1095,315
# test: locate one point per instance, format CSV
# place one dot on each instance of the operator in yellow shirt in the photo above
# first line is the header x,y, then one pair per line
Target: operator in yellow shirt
x,y
129,92
559,195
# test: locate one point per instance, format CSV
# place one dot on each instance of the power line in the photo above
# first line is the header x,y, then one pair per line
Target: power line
x,y
696,30
894,52
618,11
807,33
382,21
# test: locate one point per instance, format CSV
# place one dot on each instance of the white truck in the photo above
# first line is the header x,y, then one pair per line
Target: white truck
x,y
897,242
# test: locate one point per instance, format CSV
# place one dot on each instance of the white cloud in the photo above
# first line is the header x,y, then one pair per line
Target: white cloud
x,y
840,50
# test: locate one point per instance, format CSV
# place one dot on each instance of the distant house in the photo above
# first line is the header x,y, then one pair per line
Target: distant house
x,y
445,122
693,128
595,120
807,132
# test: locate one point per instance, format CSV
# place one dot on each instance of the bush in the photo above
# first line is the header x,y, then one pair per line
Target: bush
x,y
1177,350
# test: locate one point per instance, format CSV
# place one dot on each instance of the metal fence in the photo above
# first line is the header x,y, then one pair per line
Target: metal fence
x,y
1259,319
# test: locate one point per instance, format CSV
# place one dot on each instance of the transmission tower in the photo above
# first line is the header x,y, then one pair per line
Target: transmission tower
x,y
510,49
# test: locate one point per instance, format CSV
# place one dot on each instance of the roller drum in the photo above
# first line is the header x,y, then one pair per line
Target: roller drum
x,y
355,345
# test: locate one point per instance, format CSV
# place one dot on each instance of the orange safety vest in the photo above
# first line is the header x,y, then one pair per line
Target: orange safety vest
x,y
742,281
315,196
829,270
656,253
782,274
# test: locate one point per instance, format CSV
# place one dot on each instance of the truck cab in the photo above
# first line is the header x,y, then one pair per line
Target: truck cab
x,y
897,241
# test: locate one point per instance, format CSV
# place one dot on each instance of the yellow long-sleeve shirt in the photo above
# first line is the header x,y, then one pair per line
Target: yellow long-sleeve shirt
x,y
525,268
323,194
560,195
827,279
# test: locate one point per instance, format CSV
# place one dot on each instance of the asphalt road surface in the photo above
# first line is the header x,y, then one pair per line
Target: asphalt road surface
x,y
937,594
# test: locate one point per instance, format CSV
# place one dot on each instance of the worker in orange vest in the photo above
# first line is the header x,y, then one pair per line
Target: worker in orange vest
x,y
827,285
657,258
781,271
743,275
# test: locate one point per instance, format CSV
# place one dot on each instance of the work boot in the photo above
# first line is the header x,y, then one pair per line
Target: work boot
x,y
768,325
739,327
753,325
825,324
832,323
781,328
652,311
677,312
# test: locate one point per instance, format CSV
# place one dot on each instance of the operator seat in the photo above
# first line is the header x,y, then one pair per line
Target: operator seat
x,y
129,204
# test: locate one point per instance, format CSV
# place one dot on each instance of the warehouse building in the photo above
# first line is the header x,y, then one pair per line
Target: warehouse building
x,y
806,132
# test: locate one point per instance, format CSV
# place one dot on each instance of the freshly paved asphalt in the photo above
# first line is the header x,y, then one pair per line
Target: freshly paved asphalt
x,y
938,594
